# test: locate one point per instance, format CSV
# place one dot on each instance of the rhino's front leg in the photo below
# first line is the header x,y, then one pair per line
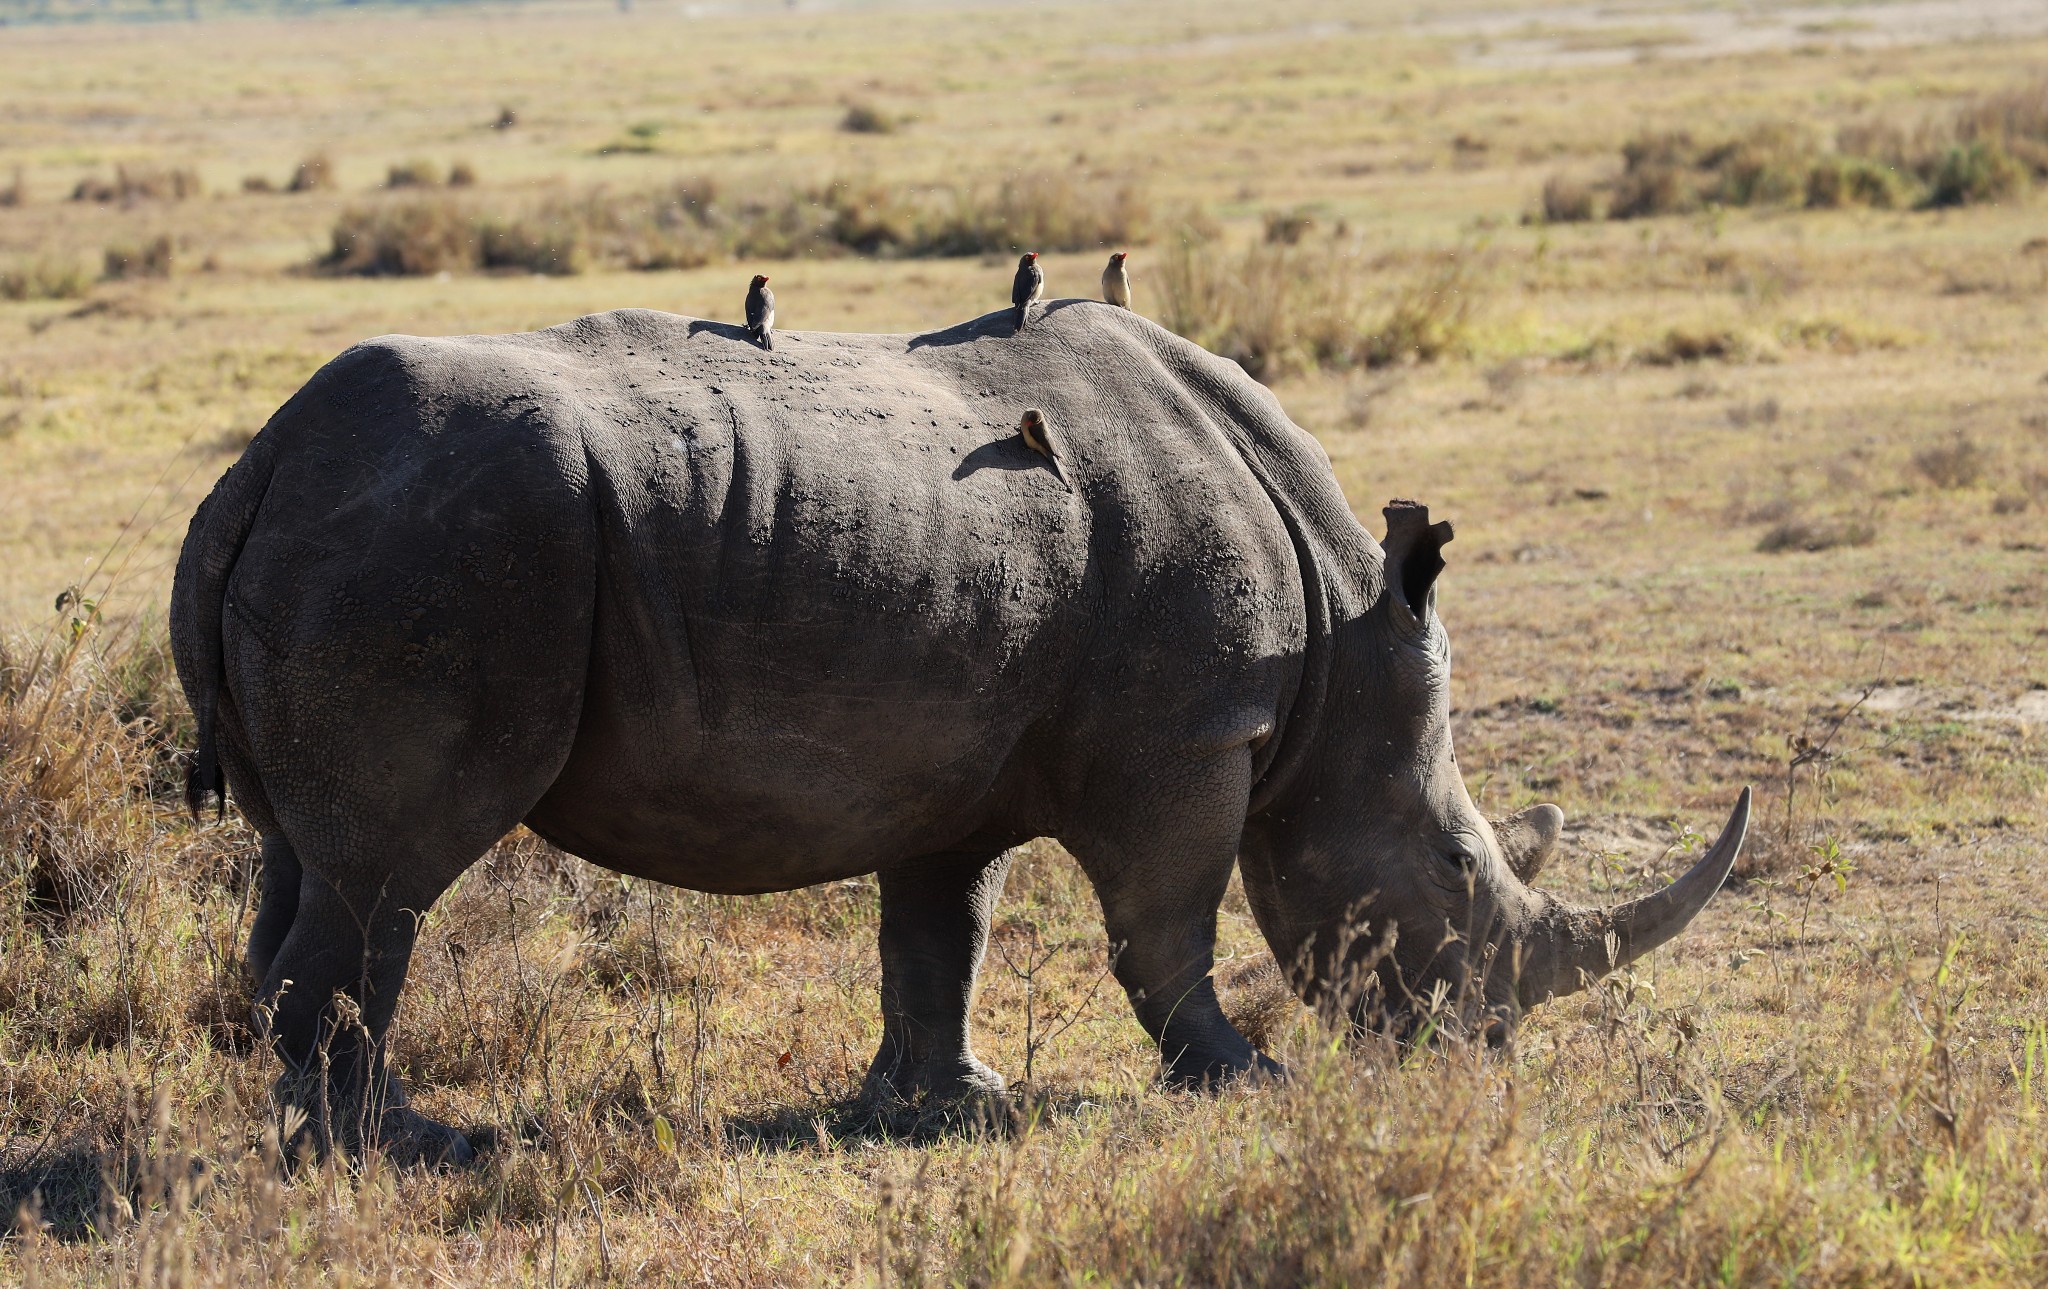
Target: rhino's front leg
x,y
1160,869
935,920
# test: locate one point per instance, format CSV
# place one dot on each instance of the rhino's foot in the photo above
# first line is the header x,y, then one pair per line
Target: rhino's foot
x,y
1198,1072
411,1140
906,1082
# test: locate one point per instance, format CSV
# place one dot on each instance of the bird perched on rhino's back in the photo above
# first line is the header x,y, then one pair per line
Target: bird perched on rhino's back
x,y
1027,286
761,312
1116,282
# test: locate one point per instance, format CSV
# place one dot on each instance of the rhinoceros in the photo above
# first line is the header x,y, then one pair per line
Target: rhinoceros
x,y
745,621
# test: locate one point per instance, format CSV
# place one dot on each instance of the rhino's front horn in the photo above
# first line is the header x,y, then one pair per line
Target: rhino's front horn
x,y
1581,945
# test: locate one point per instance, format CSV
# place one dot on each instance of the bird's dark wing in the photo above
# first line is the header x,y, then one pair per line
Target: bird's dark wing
x,y
760,309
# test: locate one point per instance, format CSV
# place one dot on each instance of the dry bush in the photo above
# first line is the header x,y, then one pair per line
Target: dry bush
x,y
312,174
866,118
1568,199
1275,310
462,175
1288,227
1837,182
548,243
681,226
1798,534
416,173
423,236
257,184
1696,344
1762,412
1976,172
44,278
1958,463
132,184
1043,210
14,192
1656,177
88,729
152,258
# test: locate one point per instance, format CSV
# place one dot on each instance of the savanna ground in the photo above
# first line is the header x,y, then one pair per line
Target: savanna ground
x,y
1751,488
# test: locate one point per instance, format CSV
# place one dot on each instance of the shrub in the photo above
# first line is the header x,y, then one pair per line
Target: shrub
x,y
1428,320
641,137
1767,166
428,235
1288,227
14,192
257,183
866,118
1280,309
1958,463
1656,177
1816,535
1691,345
314,173
1838,181
1047,210
44,279
1568,200
551,246
461,175
416,173
147,259
131,184
1980,171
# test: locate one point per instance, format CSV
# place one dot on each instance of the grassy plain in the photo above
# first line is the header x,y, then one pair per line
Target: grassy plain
x,y
1640,427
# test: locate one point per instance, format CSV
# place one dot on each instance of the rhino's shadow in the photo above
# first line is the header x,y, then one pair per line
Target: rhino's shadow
x,y
66,1184
854,1120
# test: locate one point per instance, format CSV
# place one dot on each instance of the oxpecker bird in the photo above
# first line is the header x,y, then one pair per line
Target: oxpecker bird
x,y
1028,285
761,312
1036,432
1116,284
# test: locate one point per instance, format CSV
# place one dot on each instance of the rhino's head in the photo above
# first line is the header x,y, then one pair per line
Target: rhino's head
x,y
1376,880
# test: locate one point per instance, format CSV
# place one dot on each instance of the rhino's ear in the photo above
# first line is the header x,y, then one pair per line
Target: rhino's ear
x,y
1415,553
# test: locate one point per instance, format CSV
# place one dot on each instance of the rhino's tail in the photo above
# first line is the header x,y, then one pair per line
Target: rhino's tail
x,y
220,528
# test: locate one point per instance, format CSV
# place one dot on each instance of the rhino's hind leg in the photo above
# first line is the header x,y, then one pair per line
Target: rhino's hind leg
x,y
279,905
329,997
935,921
1160,869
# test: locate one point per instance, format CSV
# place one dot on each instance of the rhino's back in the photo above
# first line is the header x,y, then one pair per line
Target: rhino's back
x,y
834,593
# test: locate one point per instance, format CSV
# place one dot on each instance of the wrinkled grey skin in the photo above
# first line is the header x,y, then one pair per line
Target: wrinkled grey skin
x,y
746,621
